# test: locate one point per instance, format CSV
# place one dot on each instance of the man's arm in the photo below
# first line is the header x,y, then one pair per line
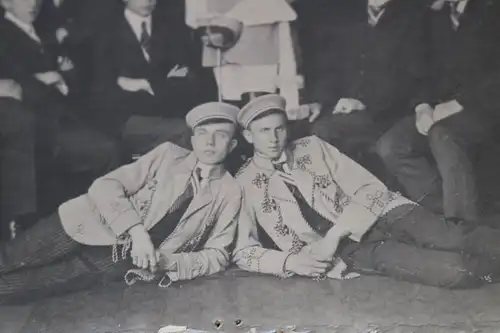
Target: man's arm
x,y
249,254
363,188
111,192
215,255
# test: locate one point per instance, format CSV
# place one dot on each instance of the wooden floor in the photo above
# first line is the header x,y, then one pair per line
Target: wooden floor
x,y
365,305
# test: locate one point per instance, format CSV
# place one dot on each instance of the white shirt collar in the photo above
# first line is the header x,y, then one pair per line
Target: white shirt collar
x,y
25,27
135,22
209,171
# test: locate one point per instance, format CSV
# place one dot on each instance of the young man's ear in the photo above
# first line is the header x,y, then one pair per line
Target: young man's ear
x,y
248,136
234,144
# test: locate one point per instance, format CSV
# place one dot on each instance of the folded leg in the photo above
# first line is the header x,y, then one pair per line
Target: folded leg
x,y
415,225
78,271
42,244
409,263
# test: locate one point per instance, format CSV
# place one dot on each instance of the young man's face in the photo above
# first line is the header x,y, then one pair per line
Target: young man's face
x,y
142,8
268,135
213,142
25,10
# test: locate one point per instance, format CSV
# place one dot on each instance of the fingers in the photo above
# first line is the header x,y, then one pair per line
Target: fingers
x,y
152,262
315,112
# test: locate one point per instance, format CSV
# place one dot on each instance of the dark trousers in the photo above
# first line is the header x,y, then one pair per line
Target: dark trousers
x,y
436,170
352,134
412,244
70,155
18,191
140,134
44,261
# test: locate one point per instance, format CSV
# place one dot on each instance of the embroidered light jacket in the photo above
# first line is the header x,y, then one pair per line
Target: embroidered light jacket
x,y
335,186
142,193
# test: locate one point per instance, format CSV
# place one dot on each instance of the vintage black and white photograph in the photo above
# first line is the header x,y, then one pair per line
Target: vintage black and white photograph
x,y
249,166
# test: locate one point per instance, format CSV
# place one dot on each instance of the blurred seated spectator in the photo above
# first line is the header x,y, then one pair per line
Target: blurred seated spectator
x,y
66,144
365,67
70,27
18,196
433,151
146,76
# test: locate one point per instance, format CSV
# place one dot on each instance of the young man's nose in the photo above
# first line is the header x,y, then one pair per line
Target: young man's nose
x,y
210,140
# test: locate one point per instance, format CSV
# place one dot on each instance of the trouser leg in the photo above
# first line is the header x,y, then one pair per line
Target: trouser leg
x,y
409,263
40,245
78,271
416,225
407,155
143,133
18,194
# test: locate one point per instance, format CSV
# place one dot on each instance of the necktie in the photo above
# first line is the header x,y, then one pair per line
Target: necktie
x,y
145,38
169,222
317,222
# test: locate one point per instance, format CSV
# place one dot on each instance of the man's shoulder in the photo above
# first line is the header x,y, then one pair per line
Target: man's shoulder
x,y
306,144
245,171
171,152
230,187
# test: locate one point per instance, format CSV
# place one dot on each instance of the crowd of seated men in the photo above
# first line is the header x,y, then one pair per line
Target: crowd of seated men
x,y
73,95
87,84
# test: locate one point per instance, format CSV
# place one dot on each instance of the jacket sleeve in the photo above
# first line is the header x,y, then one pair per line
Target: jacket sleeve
x,y
249,253
368,196
215,255
111,193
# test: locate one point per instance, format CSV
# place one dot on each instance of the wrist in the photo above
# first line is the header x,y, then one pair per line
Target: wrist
x,y
286,264
136,230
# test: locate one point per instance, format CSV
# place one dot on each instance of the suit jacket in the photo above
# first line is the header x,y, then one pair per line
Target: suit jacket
x,y
118,53
142,193
334,185
384,66
22,59
83,19
466,62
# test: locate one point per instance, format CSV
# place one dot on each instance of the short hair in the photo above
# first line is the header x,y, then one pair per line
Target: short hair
x,y
268,113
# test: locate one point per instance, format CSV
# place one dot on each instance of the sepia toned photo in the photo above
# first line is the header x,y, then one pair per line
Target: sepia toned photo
x,y
249,166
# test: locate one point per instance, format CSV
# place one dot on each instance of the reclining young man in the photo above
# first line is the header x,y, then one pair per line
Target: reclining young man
x,y
174,210
309,210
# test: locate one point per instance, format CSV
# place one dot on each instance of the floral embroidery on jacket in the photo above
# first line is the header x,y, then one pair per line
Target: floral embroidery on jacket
x,y
379,201
301,143
322,181
303,161
260,180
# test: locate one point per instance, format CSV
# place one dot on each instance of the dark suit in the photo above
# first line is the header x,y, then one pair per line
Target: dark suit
x,y
466,68
62,138
383,66
119,54
82,19
17,163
